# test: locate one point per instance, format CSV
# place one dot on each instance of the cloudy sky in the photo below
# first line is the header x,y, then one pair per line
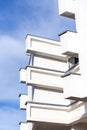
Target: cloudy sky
x,y
17,19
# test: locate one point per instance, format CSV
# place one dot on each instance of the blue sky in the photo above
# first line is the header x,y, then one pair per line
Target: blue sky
x,y
17,19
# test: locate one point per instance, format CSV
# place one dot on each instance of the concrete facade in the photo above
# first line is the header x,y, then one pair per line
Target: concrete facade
x,y
56,76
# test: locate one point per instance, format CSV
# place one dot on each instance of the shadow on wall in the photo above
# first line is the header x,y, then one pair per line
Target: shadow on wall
x,y
82,125
50,126
84,117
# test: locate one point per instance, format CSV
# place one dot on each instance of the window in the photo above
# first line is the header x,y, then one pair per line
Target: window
x,y
72,62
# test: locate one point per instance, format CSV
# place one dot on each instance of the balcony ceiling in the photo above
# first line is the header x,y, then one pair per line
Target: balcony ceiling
x,y
49,126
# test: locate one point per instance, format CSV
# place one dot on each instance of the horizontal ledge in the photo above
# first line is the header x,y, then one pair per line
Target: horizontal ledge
x,y
35,37
59,105
58,57
49,69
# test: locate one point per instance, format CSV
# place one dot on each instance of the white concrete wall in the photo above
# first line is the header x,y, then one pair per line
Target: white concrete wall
x,y
42,78
79,43
50,63
69,42
67,7
23,100
45,113
75,86
76,43
56,114
53,97
44,47
22,75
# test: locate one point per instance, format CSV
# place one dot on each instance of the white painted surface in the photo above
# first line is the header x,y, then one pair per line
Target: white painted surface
x,y
23,100
45,113
76,43
44,47
50,63
75,86
56,114
42,78
22,75
46,96
67,6
69,42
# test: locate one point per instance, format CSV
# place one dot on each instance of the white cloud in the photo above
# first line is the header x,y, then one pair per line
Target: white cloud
x,y
12,56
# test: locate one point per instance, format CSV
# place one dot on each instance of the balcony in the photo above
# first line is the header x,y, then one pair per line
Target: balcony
x,y
74,87
67,8
44,47
51,113
69,43
46,113
41,77
23,100
22,75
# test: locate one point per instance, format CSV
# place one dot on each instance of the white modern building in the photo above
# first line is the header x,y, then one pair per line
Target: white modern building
x,y
56,76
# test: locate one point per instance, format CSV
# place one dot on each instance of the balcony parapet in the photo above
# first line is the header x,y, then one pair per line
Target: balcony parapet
x,y
67,8
74,87
69,43
23,100
39,77
42,77
41,112
44,47
44,62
